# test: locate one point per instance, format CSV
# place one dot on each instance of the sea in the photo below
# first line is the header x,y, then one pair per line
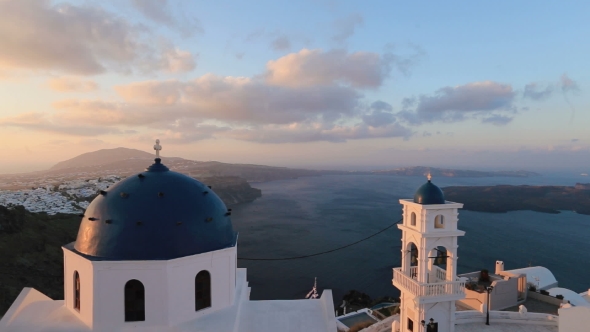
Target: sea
x,y
308,215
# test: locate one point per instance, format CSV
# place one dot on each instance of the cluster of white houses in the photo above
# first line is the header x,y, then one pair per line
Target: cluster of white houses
x,y
157,252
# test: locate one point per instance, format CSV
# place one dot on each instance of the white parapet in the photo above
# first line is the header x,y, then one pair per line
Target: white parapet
x,y
429,292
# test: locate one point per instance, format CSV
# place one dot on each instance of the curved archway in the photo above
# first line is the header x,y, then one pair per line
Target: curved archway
x,y
77,290
439,221
438,263
202,290
413,219
134,301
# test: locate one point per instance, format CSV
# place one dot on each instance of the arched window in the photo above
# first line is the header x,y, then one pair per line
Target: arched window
x,y
439,221
134,301
202,290
76,291
413,219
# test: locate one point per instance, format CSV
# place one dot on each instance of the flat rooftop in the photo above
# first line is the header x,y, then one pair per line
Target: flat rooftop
x,y
534,305
499,327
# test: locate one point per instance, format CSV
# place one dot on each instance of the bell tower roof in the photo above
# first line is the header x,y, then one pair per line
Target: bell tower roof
x,y
429,193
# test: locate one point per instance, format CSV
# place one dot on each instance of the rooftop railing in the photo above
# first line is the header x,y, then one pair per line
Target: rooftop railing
x,y
443,288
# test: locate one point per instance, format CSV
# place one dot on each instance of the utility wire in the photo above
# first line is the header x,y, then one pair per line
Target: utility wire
x,y
323,252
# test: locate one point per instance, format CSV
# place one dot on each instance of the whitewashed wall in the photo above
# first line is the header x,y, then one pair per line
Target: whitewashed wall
x,y
169,288
574,319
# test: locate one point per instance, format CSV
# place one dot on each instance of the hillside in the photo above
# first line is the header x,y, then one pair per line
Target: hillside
x,y
101,157
30,252
504,198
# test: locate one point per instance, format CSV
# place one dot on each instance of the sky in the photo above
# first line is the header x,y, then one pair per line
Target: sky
x,y
317,84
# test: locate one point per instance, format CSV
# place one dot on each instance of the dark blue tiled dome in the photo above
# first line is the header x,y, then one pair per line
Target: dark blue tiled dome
x,y
155,215
429,193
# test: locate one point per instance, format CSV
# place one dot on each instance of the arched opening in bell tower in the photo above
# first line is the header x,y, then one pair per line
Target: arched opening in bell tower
x,y
437,265
411,260
439,221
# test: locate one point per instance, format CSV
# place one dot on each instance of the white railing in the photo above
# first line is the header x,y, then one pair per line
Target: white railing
x,y
414,272
400,279
441,274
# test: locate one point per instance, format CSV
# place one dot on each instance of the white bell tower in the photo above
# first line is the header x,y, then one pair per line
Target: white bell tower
x,y
427,278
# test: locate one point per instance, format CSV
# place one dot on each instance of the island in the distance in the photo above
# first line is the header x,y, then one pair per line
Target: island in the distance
x,y
446,172
504,198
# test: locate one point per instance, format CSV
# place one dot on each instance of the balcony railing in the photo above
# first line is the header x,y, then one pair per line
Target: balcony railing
x,y
442,288
441,274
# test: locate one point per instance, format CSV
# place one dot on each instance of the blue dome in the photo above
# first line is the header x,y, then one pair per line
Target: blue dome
x,y
429,193
155,215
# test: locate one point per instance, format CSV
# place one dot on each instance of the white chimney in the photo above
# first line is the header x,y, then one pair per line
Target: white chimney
x,y
499,267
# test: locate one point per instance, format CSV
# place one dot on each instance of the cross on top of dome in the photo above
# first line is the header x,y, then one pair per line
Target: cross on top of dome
x,y
157,147
429,176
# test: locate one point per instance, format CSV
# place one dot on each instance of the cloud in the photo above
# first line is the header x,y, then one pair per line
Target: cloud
x,y
249,108
498,120
81,40
105,113
451,104
244,100
183,131
281,43
381,114
574,140
568,85
177,61
345,27
159,12
317,67
156,10
40,122
404,64
151,92
534,92
312,132
71,84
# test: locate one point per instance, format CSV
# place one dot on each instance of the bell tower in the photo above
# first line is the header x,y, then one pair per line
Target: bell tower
x,y
427,278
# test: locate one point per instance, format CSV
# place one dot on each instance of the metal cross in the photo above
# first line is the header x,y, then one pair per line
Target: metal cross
x,y
429,176
157,147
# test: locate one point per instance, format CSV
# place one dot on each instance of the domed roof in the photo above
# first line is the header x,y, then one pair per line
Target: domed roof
x,y
155,215
429,193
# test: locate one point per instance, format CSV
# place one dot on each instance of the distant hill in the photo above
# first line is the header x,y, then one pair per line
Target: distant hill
x,y
504,198
101,157
445,172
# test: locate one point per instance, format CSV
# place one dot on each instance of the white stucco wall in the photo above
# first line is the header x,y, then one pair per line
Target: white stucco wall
x,y
74,262
574,319
169,288
181,283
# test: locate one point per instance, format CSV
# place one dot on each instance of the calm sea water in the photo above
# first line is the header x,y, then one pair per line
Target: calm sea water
x,y
314,214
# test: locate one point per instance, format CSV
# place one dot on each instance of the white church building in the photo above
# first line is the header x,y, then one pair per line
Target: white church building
x,y
157,252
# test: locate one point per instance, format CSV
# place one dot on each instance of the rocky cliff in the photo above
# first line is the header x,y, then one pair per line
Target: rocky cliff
x,y
232,189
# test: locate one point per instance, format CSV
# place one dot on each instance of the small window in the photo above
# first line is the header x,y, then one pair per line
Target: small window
x,y
413,219
134,301
410,325
439,221
202,290
76,291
